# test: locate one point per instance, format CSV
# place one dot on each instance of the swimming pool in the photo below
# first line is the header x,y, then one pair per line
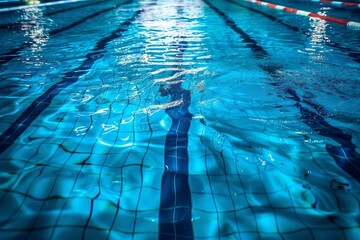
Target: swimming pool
x,y
188,119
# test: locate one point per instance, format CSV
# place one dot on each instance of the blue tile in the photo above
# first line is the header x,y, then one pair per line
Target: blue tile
x,y
66,232
75,211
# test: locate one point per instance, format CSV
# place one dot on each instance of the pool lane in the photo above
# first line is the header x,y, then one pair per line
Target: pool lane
x,y
175,213
15,52
258,51
14,25
345,155
97,53
69,78
351,52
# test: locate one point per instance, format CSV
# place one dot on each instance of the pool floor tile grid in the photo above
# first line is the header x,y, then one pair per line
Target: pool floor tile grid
x,y
282,199
231,207
131,195
54,76
307,231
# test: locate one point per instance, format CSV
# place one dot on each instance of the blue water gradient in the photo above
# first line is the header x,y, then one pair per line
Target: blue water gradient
x,y
187,119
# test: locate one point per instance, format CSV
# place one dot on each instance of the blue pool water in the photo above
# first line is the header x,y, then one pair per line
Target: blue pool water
x,y
178,119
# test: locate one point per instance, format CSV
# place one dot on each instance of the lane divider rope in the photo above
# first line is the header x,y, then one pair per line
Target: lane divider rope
x,y
347,23
338,3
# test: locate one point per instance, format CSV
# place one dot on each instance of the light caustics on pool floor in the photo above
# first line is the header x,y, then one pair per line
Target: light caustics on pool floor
x,y
177,120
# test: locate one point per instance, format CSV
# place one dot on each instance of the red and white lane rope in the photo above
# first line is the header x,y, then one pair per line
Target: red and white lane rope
x,y
307,14
338,3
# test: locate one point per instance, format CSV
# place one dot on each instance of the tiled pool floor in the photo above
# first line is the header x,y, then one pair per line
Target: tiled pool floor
x,y
177,120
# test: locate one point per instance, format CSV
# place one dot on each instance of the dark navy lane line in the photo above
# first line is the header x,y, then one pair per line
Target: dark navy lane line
x,y
175,205
18,24
13,53
353,54
175,219
345,155
69,78
259,52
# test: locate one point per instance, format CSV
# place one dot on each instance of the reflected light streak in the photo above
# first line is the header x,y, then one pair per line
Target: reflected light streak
x,y
164,32
318,37
34,25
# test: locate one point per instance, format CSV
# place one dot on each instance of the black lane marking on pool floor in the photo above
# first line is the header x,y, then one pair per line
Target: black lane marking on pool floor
x,y
69,78
175,202
175,218
259,51
353,54
345,155
13,53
